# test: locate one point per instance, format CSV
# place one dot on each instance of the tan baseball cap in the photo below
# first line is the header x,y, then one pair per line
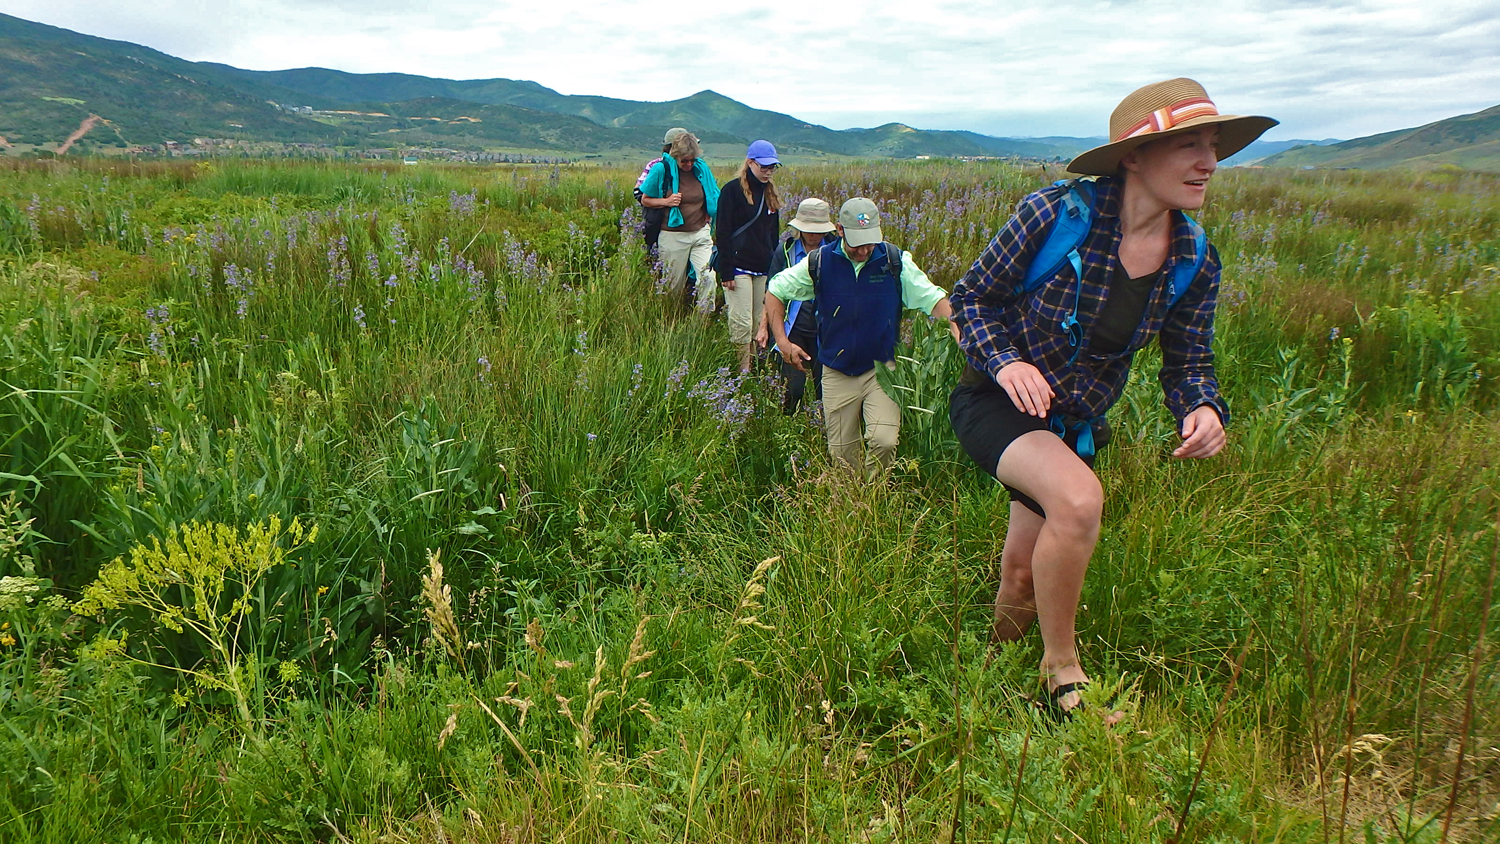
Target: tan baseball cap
x,y
673,134
861,221
812,216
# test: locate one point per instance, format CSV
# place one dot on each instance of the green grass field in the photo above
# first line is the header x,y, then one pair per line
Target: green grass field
x,y
369,503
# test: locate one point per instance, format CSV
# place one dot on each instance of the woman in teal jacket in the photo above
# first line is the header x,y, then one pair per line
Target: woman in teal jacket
x,y
683,185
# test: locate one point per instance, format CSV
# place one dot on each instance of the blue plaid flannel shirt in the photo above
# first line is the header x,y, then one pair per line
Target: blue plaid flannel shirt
x,y
999,325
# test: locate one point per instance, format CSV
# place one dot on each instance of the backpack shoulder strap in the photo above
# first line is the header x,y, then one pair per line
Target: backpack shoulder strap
x,y
814,264
893,258
1067,234
754,218
1184,272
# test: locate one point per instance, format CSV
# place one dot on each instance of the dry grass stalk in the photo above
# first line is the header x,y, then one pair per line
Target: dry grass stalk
x,y
439,610
534,634
750,600
636,655
449,728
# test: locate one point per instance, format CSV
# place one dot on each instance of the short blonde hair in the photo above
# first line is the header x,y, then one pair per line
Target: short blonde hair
x,y
686,146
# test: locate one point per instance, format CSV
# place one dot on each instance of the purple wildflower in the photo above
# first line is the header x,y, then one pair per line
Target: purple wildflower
x,y
161,328
675,378
635,380
242,283
338,260
463,205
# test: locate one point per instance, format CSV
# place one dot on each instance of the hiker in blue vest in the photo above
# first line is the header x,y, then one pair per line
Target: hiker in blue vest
x,y
683,186
858,286
1085,274
810,228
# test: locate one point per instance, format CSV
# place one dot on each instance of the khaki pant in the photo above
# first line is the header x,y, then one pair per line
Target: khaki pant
x,y
847,400
677,250
744,304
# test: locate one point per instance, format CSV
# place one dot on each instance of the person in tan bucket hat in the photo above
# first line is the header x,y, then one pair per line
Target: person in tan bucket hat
x,y
809,229
1049,346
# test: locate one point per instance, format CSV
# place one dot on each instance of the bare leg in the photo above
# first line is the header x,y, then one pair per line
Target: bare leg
x,y
1015,601
1042,466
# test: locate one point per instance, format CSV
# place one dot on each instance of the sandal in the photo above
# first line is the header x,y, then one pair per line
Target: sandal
x,y
1052,706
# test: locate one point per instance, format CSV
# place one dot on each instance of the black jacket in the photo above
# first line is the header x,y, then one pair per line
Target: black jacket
x,y
752,249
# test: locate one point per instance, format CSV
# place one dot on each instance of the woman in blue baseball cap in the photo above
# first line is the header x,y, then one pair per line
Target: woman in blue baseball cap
x,y
745,231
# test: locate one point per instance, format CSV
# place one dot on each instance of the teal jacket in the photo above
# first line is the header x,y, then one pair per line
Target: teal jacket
x,y
652,187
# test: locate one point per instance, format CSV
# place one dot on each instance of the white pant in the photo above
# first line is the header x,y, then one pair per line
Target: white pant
x,y
744,305
677,250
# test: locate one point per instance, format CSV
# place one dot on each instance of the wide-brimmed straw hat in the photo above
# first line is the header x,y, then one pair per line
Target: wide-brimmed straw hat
x,y
813,215
1161,109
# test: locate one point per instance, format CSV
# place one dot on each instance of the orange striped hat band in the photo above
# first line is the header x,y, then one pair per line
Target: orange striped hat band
x,y
1164,119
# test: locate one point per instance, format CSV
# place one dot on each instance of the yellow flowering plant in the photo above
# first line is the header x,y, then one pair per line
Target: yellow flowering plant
x,y
202,581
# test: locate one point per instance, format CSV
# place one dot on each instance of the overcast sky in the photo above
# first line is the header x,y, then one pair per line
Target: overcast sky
x,y
1033,68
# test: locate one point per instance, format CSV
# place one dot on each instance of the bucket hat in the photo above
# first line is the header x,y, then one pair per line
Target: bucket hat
x,y
1161,109
813,215
673,134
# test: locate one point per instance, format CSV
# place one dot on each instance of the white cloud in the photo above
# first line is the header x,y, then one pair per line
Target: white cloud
x,y
999,67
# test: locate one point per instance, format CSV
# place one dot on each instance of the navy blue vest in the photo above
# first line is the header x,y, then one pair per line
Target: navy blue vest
x,y
859,318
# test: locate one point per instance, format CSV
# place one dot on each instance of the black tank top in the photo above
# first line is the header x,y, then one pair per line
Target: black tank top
x,y
1123,310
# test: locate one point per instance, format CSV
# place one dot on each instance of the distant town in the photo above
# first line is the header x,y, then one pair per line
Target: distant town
x,y
230,147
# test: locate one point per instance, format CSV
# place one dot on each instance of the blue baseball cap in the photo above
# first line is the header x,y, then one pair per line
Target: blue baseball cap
x,y
762,152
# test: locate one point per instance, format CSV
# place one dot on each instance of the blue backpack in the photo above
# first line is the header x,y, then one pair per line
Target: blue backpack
x,y
1061,246
1068,233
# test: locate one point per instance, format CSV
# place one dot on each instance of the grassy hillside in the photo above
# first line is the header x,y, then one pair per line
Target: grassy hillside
x,y
442,121
51,80
1471,141
709,114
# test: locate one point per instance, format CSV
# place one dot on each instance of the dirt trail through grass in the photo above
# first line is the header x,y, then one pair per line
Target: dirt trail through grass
x,y
83,129
4,142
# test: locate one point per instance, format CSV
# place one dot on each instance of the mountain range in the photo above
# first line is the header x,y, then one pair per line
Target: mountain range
x,y
52,81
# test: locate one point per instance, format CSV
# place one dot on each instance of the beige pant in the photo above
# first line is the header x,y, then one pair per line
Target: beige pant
x,y
847,399
744,305
678,250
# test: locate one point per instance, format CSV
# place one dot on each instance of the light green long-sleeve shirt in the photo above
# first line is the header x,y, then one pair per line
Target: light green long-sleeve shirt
x,y
917,290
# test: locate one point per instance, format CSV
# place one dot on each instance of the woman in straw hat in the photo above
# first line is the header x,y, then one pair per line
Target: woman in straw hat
x,y
810,228
1049,354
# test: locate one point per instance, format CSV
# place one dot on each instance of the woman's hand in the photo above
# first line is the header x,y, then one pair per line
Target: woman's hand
x,y
729,281
762,333
662,201
1202,433
1026,387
